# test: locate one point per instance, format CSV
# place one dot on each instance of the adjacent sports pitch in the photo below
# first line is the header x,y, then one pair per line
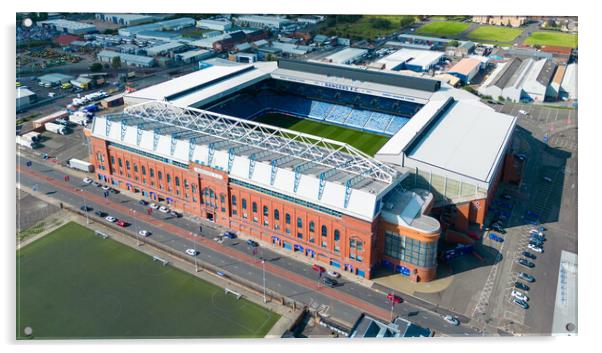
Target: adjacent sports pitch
x,y
552,38
495,33
73,284
366,142
443,28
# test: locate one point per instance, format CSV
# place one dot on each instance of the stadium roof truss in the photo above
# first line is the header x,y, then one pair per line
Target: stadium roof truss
x,y
320,151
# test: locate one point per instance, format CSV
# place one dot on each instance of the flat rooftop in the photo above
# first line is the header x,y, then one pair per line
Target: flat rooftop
x,y
410,56
467,139
465,66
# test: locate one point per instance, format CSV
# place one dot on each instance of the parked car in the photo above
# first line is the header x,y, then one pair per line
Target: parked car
x,y
192,252
229,235
521,285
537,238
87,180
526,263
144,233
394,298
110,219
142,202
154,206
547,179
329,281
496,237
175,214
121,223
521,156
114,191
106,187
536,243
519,295
525,276
451,320
318,268
163,209
537,232
86,208
523,112
97,184
100,213
535,248
529,255
520,303
252,243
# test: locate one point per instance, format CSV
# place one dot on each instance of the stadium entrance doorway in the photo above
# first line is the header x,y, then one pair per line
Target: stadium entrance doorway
x,y
210,216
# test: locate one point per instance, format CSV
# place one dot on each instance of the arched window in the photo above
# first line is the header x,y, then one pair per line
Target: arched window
x,y
324,231
288,218
312,226
276,215
177,181
254,207
159,175
143,170
266,211
337,235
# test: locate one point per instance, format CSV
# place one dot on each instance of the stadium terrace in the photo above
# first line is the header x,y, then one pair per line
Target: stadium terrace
x,y
198,144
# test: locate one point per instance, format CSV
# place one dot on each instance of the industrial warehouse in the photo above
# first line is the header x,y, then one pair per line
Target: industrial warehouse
x,y
193,143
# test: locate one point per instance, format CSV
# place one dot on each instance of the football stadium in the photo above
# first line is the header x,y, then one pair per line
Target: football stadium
x,y
352,167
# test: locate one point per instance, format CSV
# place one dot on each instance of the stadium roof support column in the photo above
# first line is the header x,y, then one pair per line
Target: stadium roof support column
x,y
275,163
348,185
323,177
298,169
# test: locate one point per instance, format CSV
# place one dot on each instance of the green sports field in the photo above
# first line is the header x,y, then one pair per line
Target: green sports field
x,y
552,38
364,141
443,28
495,33
73,284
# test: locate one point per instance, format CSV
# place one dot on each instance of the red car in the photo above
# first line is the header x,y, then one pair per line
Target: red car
x,y
318,268
393,298
120,223
474,235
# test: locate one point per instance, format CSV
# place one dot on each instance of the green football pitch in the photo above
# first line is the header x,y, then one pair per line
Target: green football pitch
x,y
73,284
366,142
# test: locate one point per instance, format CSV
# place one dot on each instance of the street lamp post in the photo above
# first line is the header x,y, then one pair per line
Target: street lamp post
x,y
136,228
85,207
196,266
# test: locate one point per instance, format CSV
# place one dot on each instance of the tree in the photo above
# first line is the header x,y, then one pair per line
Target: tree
x,y
96,67
116,62
380,23
501,99
453,43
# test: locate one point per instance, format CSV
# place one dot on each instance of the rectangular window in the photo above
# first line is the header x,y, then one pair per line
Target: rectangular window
x,y
168,177
112,160
143,170
135,167
234,212
287,231
151,172
337,249
244,204
127,165
119,162
300,235
324,245
254,219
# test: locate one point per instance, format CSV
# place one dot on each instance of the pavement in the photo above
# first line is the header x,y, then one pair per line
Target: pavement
x,y
284,275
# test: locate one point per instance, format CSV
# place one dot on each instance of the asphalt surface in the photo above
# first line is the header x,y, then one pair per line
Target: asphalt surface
x,y
283,275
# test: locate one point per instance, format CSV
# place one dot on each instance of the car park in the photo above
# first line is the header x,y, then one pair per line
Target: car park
x,y
192,252
110,219
329,281
529,255
154,206
86,208
394,298
520,303
535,248
521,285
451,320
525,276
163,209
496,237
87,180
252,243
229,235
144,233
121,223
526,263
519,295
100,213
142,202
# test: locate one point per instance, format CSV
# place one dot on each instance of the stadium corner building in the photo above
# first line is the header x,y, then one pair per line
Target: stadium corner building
x,y
193,143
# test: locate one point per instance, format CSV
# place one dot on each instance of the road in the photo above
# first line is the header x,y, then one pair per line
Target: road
x,y
283,275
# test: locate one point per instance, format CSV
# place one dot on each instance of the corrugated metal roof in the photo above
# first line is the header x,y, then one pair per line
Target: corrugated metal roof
x,y
465,66
547,72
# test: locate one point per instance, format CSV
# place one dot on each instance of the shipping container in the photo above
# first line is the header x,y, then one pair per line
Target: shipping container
x,y
80,165
56,128
26,143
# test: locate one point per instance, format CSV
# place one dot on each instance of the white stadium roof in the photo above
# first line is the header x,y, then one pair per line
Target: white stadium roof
x,y
313,169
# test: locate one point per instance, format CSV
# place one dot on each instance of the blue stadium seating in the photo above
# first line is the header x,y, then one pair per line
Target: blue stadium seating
x,y
375,114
